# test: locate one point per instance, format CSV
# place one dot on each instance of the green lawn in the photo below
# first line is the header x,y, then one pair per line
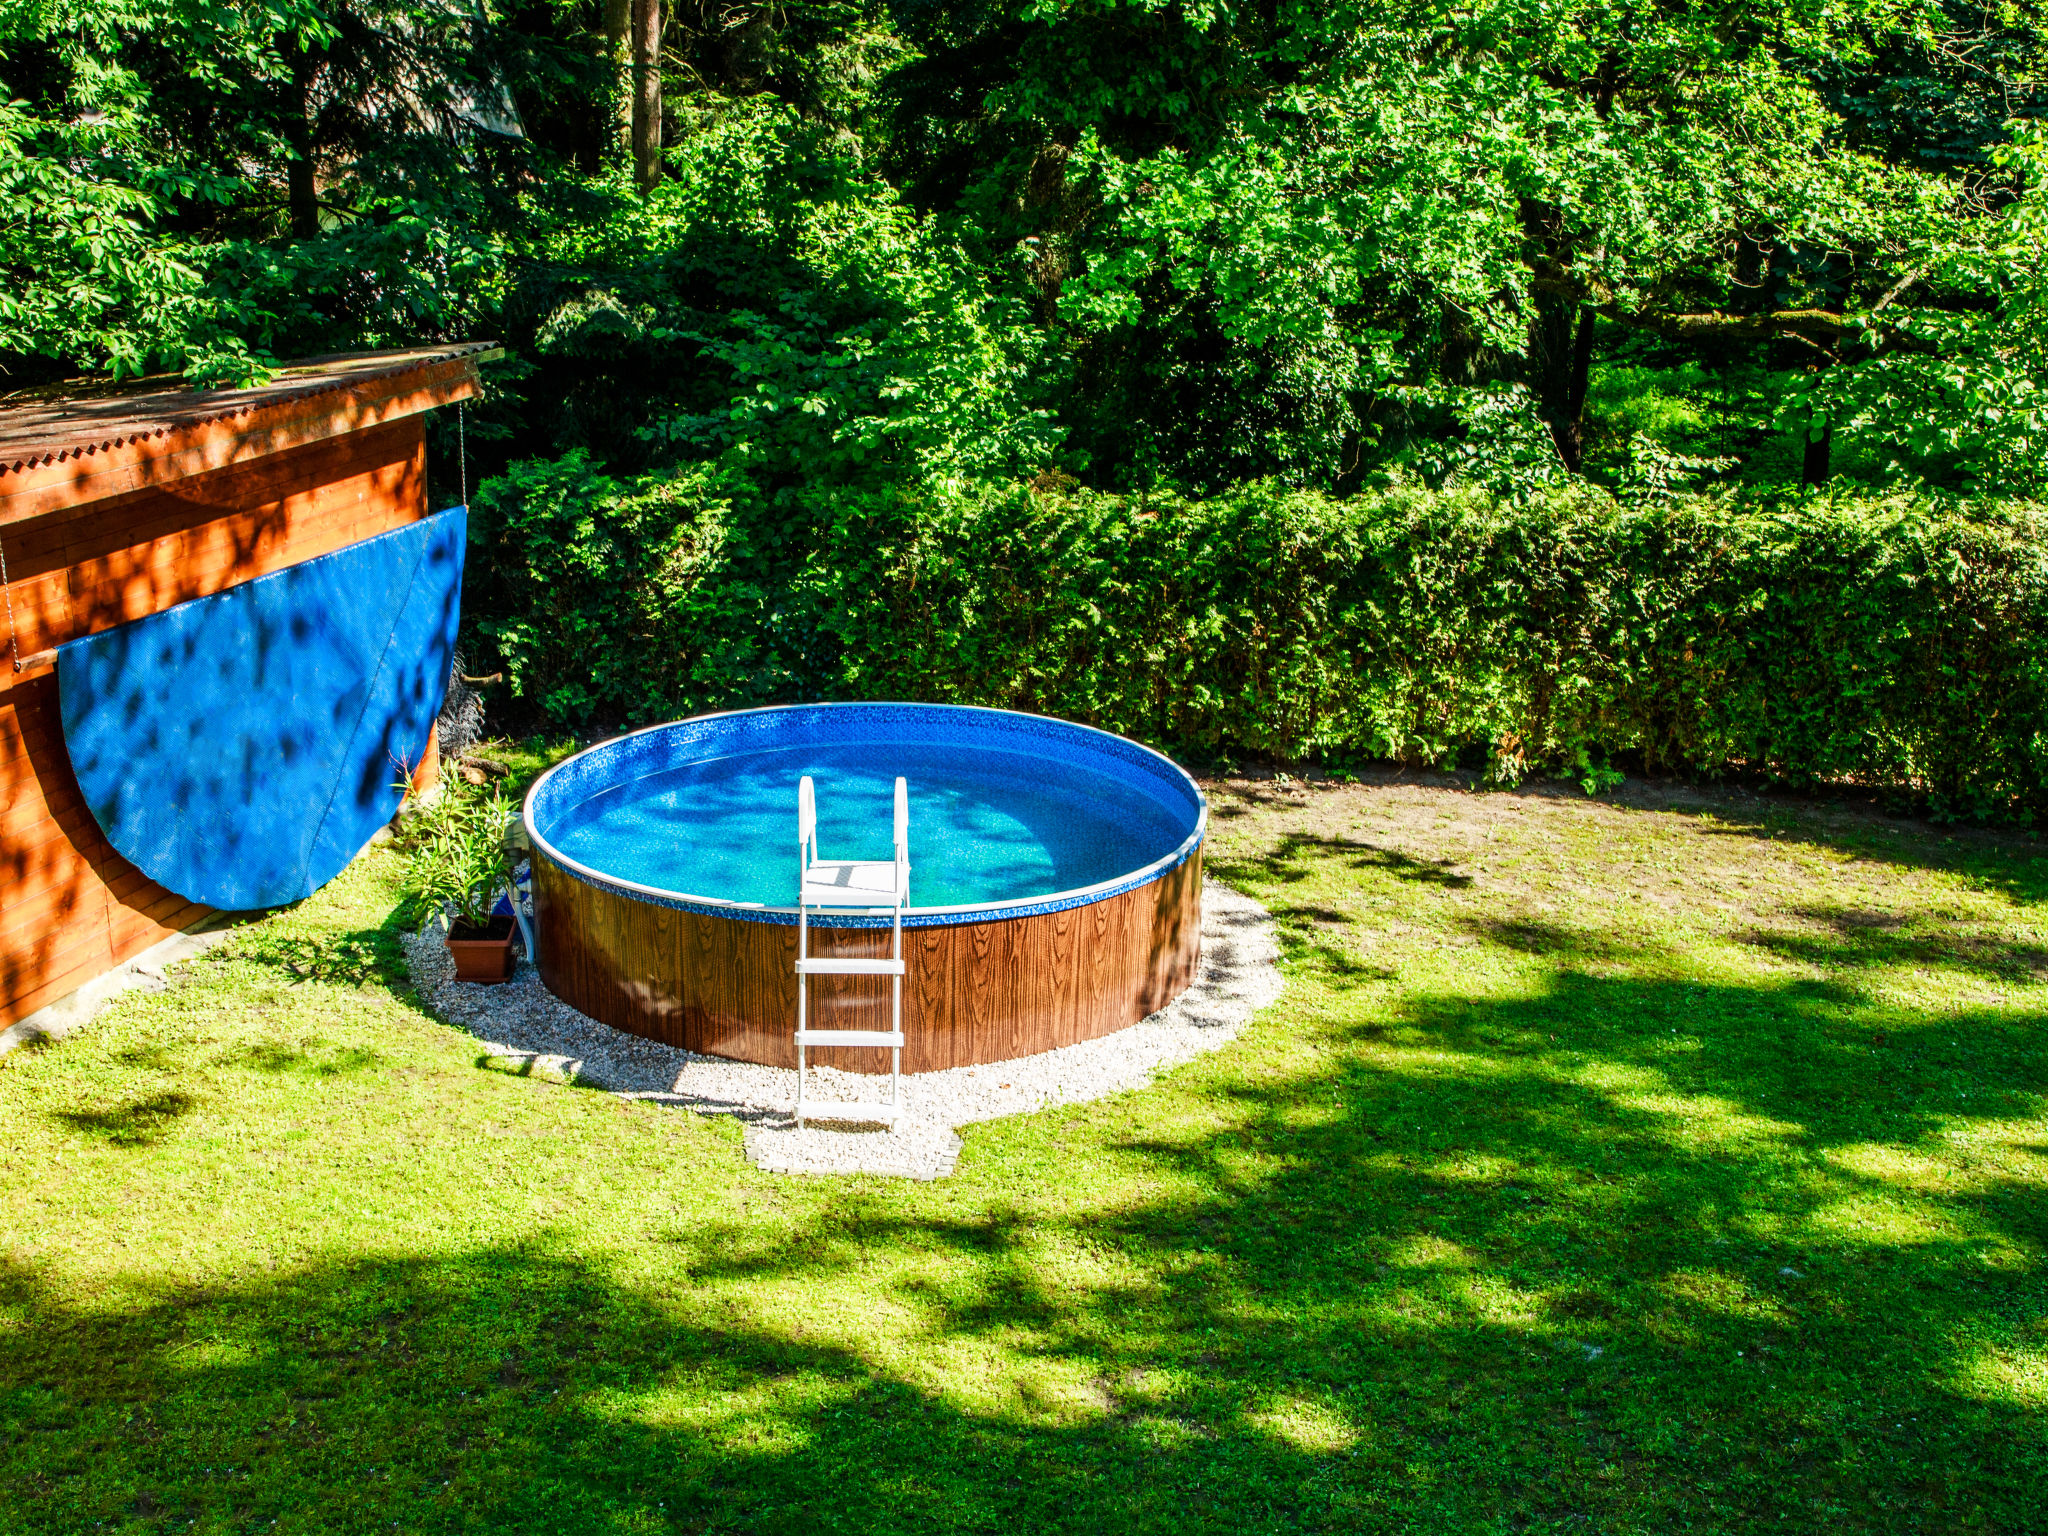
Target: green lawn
x,y
1662,1164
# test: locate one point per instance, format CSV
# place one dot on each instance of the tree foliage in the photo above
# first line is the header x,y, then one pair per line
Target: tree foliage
x,y
901,258
1216,240
1823,640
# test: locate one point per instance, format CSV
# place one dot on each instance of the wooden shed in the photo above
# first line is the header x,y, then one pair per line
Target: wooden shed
x,y
144,529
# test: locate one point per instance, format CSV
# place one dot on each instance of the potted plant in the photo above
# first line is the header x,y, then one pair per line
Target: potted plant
x,y
458,868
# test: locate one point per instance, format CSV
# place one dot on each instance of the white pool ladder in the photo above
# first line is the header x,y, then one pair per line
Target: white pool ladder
x,y
872,888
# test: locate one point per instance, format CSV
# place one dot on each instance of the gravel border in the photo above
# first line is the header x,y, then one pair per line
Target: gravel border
x,y
528,1029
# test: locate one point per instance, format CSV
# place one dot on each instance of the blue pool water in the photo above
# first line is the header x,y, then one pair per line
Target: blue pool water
x,y
1003,807
990,827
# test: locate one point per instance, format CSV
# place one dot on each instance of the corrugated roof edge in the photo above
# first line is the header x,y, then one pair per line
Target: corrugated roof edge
x,y
237,402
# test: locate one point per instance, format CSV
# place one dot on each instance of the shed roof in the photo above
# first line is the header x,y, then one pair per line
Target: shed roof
x,y
64,445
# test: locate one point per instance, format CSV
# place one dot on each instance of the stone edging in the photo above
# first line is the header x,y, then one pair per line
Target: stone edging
x,y
527,1028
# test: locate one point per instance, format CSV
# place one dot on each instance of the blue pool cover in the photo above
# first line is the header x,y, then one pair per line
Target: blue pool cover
x,y
1010,814
241,748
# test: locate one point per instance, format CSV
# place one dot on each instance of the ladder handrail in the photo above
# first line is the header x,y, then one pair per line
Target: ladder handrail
x,y
807,855
806,824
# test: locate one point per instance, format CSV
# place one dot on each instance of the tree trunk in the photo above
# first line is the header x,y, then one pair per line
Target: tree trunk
x,y
1605,83
646,92
1560,365
1813,467
302,198
1752,272
618,25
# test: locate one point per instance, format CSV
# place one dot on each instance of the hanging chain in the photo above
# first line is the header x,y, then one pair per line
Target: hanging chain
x,y
13,642
461,454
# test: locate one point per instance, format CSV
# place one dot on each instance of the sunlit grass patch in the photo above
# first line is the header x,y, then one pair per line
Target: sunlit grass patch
x,y
1639,1166
1307,1425
2014,1376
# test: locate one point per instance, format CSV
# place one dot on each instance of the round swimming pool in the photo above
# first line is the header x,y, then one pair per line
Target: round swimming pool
x,y
1054,894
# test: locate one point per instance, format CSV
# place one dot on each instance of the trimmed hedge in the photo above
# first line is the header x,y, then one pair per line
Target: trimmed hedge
x,y
1884,643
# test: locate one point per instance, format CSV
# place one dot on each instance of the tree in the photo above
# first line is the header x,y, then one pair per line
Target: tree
x,y
619,45
1236,240
1955,393
191,184
646,92
1308,207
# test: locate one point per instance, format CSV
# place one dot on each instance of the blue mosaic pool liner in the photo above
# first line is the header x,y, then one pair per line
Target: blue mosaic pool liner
x,y
707,738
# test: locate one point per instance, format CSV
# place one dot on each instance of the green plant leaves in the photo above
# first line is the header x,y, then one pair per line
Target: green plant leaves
x,y
1881,642
458,861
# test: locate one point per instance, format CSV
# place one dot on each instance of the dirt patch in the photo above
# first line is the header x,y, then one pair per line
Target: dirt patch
x,y
1547,870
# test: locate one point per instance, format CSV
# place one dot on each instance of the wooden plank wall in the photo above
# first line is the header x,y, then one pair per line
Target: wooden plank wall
x,y
974,992
71,908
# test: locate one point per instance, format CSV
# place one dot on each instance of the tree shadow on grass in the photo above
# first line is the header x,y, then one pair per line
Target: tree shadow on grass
x,y
1676,1255
523,1390
345,958
2014,863
140,1122
305,1058
1858,937
1554,941
1626,1254
1297,855
2011,861
1316,933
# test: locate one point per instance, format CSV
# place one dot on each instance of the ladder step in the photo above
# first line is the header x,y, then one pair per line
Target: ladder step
x,y
849,967
888,1114
819,1037
844,896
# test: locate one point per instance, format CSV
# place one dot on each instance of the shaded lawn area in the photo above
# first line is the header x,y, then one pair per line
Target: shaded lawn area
x,y
1662,1165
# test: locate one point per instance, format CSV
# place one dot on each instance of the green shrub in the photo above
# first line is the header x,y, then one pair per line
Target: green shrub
x,y
1888,643
458,863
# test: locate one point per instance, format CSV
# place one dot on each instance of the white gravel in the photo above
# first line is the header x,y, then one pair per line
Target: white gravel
x,y
528,1029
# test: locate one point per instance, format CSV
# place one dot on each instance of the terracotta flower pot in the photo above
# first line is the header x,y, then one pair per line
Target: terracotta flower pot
x,y
482,956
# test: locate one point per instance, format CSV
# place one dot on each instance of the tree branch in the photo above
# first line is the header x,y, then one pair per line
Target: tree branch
x,y
1715,325
1913,275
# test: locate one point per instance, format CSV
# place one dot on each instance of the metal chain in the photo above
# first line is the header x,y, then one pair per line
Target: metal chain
x,y
461,454
13,642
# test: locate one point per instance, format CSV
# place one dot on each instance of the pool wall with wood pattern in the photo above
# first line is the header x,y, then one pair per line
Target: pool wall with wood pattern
x,y
660,866
973,992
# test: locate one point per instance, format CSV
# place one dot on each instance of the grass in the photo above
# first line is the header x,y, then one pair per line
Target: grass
x,y
1661,1164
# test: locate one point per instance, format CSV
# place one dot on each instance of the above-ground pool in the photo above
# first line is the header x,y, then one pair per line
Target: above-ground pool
x,y
1055,884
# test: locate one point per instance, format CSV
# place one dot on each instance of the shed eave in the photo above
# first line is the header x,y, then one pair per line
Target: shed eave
x,y
50,465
